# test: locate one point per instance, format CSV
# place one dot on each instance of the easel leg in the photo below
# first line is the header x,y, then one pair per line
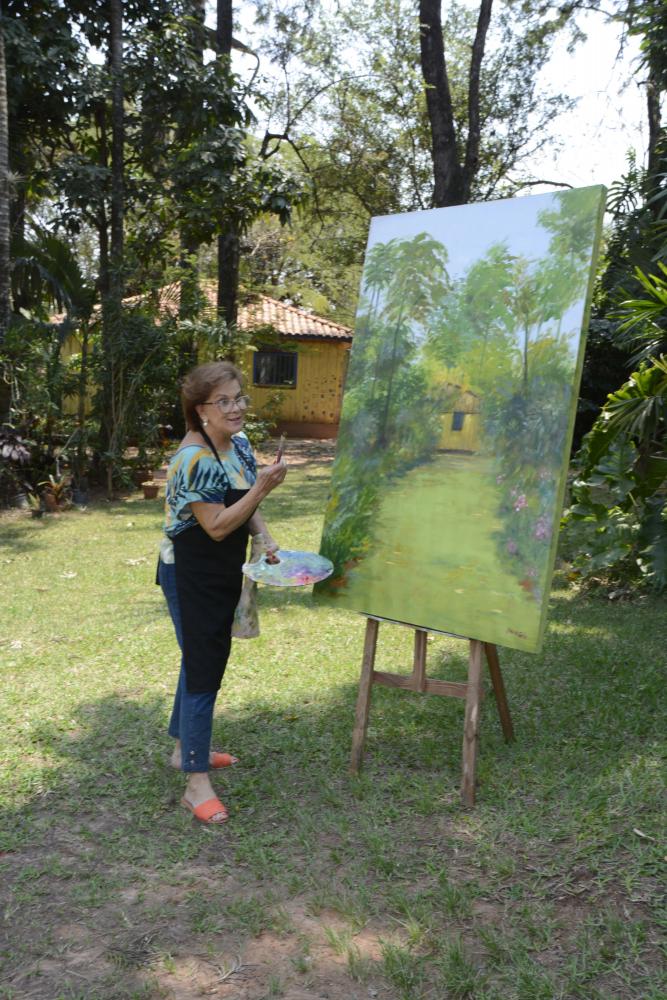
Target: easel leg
x,y
364,696
471,723
499,690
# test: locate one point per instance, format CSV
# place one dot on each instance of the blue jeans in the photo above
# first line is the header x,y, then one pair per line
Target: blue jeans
x,y
192,715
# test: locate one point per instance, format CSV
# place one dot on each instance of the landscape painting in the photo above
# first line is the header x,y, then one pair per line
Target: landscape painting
x,y
450,467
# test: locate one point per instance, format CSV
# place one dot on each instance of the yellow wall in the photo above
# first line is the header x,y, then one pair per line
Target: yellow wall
x,y
318,394
70,347
467,439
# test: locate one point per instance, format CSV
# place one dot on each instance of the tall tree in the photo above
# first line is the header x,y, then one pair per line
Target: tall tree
x,y
228,241
353,105
4,194
113,281
453,178
117,145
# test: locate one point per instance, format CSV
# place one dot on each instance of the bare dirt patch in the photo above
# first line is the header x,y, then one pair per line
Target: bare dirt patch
x,y
300,451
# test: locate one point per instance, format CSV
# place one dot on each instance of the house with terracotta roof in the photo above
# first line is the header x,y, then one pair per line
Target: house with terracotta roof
x,y
306,365
299,372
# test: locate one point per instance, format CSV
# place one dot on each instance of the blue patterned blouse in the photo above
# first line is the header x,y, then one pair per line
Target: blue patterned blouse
x,y
195,475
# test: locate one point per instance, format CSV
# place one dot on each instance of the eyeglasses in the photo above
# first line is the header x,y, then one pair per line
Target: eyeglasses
x,y
226,405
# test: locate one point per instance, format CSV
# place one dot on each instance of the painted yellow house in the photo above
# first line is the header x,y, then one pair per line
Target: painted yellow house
x,y
460,421
299,372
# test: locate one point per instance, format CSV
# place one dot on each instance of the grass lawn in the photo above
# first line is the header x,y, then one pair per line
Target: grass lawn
x,y
319,886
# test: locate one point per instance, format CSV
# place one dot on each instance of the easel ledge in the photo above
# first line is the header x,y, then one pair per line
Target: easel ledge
x,y
471,691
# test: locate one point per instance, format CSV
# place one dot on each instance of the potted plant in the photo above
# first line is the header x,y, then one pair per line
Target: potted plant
x,y
151,489
35,505
56,494
21,498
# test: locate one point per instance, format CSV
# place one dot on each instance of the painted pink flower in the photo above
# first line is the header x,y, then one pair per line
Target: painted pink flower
x,y
520,502
542,530
512,547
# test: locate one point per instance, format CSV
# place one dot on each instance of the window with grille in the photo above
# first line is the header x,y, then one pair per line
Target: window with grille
x,y
274,368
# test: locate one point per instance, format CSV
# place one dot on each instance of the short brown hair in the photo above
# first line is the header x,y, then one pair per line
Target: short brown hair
x,y
198,385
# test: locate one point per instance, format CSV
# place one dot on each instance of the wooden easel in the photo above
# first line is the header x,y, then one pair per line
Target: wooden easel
x,y
471,691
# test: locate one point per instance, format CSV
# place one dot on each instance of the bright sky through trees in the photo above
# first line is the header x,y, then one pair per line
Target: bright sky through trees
x,y
591,142
610,117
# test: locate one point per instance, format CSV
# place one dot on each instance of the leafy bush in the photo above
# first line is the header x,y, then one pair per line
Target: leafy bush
x,y
616,527
14,457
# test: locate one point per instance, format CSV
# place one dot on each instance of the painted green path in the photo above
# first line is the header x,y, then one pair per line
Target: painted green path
x,y
437,566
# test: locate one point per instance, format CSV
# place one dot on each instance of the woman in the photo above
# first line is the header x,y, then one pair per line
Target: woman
x,y
213,491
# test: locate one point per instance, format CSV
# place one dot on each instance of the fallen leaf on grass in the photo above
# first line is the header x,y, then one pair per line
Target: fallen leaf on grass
x,y
67,576
16,644
135,562
640,833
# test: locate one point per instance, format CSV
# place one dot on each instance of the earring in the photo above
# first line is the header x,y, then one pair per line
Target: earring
x,y
204,423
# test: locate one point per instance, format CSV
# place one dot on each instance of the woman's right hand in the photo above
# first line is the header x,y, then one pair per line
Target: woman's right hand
x,y
269,477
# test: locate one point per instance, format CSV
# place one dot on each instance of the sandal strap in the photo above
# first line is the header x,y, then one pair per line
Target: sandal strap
x,y
206,810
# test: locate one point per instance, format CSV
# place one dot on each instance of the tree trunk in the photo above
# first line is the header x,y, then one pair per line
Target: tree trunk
x,y
452,179
117,147
653,96
4,194
228,275
189,300
448,175
228,241
81,408
382,435
112,303
471,165
224,27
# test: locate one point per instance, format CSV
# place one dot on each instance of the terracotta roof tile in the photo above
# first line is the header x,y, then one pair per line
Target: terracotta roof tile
x,y
288,320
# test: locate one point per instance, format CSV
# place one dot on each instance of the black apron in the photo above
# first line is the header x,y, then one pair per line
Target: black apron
x,y
208,584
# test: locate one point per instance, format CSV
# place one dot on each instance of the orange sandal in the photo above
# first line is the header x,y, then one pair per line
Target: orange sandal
x,y
205,811
217,760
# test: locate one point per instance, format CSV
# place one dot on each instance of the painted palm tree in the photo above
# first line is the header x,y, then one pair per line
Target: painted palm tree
x,y
368,335
486,302
377,277
419,275
564,276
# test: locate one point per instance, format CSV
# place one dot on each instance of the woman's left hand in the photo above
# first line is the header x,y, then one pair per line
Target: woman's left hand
x,y
271,546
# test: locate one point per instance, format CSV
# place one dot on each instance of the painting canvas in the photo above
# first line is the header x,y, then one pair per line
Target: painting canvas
x,y
449,475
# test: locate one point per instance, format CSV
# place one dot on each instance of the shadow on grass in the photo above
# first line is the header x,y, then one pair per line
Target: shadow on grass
x,y
21,534
302,500
102,820
587,692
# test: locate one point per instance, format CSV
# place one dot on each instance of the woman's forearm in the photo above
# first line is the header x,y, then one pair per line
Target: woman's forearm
x,y
219,521
258,525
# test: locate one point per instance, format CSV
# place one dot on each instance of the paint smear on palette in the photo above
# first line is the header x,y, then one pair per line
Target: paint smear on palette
x,y
295,569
